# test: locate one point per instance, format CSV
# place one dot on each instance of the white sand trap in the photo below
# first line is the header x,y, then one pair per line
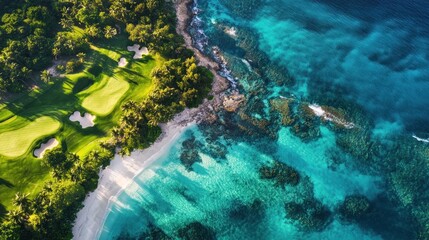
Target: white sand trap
x,y
51,144
86,121
139,51
122,62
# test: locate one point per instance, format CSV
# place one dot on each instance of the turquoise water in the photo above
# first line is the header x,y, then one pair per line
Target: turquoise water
x,y
364,62
170,195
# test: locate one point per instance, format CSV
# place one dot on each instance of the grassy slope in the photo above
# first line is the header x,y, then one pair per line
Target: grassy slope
x,y
59,101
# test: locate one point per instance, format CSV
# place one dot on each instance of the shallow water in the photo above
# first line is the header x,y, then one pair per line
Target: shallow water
x,y
366,62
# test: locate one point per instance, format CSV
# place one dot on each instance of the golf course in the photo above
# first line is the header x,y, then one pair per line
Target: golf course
x,y
97,89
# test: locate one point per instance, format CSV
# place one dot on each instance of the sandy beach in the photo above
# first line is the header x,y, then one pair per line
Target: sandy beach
x,y
116,177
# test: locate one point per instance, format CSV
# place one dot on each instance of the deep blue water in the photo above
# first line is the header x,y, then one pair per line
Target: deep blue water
x,y
366,63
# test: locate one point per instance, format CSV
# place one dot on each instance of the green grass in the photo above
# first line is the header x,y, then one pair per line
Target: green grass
x,y
16,142
100,88
103,100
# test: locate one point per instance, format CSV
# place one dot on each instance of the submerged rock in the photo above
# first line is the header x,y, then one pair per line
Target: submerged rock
x,y
240,211
354,207
154,233
307,126
281,173
233,102
310,215
189,154
282,106
196,230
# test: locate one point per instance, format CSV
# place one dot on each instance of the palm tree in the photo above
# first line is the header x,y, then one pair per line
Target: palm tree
x,y
45,76
110,32
93,31
130,105
81,56
16,216
21,201
66,23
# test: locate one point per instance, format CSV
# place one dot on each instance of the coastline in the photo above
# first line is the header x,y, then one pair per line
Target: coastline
x,y
120,174
122,170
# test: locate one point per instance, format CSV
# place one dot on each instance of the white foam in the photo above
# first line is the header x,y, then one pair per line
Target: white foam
x,y
425,140
247,64
139,52
320,112
86,121
51,144
231,32
317,110
122,62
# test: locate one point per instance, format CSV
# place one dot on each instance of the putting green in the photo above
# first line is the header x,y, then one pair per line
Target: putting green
x,y
103,100
15,143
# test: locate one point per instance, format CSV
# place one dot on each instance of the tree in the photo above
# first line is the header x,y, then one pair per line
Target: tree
x,y
81,57
110,32
141,33
60,162
16,216
93,31
66,23
21,201
45,76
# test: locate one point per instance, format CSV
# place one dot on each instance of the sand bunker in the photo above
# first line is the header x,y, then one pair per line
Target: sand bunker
x,y
139,51
122,62
51,144
86,121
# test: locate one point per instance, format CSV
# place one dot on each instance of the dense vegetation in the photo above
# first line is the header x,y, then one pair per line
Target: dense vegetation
x,y
26,40
35,32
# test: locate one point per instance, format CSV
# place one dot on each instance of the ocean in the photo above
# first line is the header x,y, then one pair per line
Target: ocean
x,y
331,143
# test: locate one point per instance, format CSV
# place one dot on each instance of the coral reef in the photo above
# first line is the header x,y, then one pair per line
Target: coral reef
x,y
306,125
354,207
154,233
189,154
310,215
232,102
282,106
196,230
281,173
240,211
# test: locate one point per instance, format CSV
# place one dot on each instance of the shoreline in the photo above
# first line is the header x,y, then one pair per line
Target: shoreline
x,y
118,176
122,171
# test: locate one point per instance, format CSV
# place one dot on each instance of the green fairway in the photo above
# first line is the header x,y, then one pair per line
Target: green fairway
x,y
103,100
100,88
15,143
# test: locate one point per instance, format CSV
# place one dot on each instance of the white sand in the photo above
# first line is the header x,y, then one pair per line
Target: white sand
x,y
115,178
86,121
51,144
139,52
122,62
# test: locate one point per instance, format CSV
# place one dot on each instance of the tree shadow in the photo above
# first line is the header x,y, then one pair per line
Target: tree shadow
x,y
3,211
6,183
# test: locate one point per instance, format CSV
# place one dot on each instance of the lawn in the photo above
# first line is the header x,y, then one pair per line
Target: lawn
x,y
99,88
103,100
16,142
